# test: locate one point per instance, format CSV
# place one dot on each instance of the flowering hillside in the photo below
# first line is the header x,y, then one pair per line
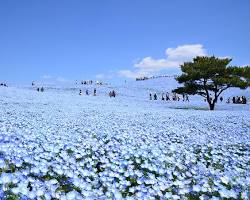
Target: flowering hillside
x,y
57,144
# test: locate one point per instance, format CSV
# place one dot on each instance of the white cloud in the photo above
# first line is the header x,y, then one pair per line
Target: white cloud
x,y
224,57
46,76
151,64
61,79
99,76
132,74
109,75
185,52
174,58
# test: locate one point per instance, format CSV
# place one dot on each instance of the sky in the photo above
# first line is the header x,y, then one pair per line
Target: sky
x,y
117,39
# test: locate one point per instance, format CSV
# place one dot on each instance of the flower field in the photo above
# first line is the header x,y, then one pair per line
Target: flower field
x,y
56,145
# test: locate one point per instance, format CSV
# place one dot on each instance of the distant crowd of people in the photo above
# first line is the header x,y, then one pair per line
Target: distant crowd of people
x,y
40,89
237,100
90,82
111,93
234,100
211,99
143,78
169,97
87,92
3,84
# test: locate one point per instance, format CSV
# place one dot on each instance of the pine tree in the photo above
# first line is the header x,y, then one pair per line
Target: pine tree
x,y
210,76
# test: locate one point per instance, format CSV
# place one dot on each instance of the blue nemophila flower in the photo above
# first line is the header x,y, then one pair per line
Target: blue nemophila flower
x,y
224,180
5,178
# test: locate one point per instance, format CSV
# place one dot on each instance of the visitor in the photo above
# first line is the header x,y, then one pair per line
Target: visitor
x,y
234,100
95,92
238,99
150,96
244,100
87,92
167,96
80,93
221,99
113,93
162,97
155,96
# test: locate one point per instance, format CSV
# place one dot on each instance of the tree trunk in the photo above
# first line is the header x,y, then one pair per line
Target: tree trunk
x,y
211,105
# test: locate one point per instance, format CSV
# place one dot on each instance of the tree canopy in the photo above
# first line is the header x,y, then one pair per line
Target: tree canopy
x,y
210,76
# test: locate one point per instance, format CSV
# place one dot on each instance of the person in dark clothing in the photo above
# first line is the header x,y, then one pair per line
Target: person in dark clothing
x,y
187,98
80,93
150,96
244,100
162,97
221,99
155,96
87,92
238,100
113,93
95,92
38,89
233,100
42,89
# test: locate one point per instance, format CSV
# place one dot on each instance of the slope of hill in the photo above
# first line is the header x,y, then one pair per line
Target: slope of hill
x,y
58,144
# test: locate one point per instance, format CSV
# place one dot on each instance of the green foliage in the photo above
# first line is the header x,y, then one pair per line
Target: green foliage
x,y
210,76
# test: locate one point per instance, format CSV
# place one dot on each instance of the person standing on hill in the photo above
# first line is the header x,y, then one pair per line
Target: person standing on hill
x,y
162,97
95,92
167,96
234,100
244,100
113,93
155,96
150,96
183,96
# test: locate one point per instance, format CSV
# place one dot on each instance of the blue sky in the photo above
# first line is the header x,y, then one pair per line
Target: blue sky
x,y
116,39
